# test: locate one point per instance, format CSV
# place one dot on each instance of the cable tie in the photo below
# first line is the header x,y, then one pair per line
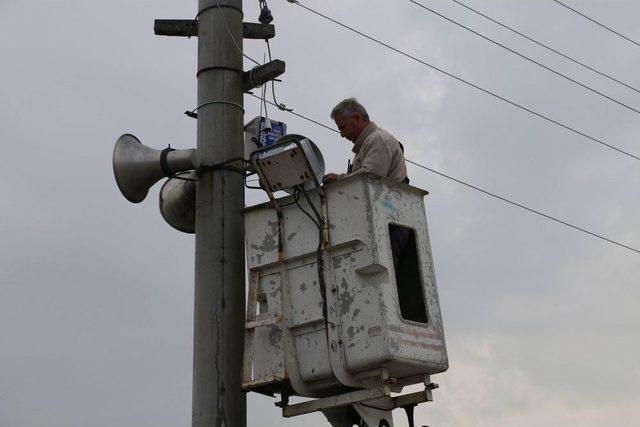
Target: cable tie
x,y
225,165
194,115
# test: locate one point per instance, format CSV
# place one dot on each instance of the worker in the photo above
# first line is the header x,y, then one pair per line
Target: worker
x,y
376,150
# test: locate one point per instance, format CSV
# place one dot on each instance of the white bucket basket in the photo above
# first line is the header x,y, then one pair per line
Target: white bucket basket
x,y
373,323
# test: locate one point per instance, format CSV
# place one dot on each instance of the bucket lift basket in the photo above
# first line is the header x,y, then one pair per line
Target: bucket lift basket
x,y
345,310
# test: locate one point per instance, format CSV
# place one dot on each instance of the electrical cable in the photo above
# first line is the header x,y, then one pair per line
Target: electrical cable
x,y
307,214
176,176
296,114
322,286
515,52
531,39
224,18
204,104
598,23
473,85
252,187
263,92
496,196
246,181
266,17
521,206
281,106
217,6
296,198
314,209
319,259
262,100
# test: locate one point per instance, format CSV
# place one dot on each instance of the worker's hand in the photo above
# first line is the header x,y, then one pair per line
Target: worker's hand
x,y
329,178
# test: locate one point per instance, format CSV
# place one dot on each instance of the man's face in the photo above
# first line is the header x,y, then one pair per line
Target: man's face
x,y
350,127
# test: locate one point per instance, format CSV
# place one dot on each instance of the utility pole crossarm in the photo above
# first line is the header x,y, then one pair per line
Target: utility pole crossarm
x,y
176,27
262,74
251,30
189,28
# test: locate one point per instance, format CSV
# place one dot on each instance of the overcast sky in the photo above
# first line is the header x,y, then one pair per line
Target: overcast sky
x,y
96,294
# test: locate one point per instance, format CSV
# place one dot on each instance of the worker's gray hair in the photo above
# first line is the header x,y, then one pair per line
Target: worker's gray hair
x,y
348,108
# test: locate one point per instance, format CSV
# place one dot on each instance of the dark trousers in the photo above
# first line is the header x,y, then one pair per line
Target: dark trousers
x,y
399,238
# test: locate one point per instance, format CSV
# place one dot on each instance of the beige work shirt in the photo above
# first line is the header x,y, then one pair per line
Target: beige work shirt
x,y
378,152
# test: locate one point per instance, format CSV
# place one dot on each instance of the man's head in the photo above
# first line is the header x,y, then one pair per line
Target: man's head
x,y
351,118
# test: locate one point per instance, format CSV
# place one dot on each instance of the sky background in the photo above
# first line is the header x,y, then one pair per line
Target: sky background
x,y
96,294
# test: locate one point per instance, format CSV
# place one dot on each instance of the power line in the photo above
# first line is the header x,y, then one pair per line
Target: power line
x,y
521,206
564,76
290,110
531,39
460,79
598,23
483,191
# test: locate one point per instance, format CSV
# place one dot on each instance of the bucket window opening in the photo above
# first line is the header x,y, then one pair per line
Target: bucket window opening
x,y
261,304
406,267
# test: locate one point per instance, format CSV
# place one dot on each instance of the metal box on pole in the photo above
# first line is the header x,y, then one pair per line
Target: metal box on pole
x,y
262,132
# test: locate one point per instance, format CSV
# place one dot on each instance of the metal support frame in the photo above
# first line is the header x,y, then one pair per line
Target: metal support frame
x,y
291,364
378,398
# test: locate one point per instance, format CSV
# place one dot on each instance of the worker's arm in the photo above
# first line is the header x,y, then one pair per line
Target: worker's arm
x,y
376,158
330,177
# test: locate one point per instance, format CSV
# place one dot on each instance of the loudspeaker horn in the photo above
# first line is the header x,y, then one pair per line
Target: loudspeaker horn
x,y
137,167
178,202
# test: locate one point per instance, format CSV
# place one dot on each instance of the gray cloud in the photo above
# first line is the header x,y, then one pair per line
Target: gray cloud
x,y
96,294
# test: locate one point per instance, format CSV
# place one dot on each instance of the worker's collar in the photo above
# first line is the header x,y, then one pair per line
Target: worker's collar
x,y
371,127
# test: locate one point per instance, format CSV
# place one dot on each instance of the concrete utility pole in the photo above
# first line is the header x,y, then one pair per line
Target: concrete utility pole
x,y
219,318
218,399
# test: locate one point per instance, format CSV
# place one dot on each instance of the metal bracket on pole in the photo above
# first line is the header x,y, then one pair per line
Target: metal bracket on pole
x,y
262,74
189,28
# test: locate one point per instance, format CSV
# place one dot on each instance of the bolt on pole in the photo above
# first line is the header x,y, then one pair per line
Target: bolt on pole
x,y
218,399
